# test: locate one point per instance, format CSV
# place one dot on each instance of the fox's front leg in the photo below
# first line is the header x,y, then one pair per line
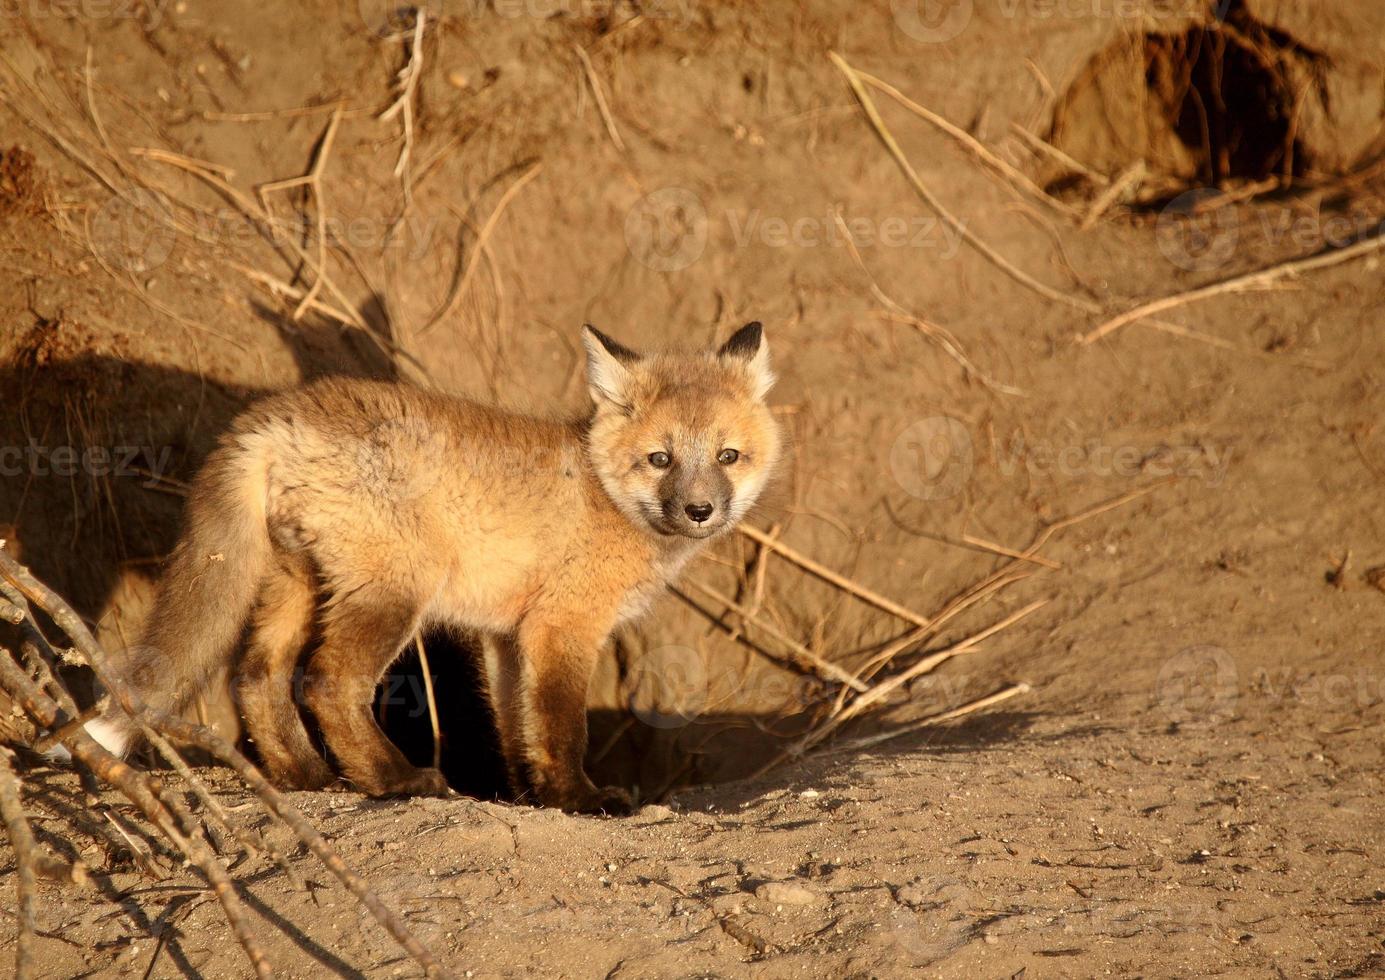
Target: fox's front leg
x,y
557,660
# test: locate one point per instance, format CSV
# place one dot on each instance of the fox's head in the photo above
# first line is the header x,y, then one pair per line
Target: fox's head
x,y
682,443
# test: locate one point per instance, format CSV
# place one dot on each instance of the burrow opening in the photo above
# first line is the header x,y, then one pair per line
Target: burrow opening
x,y
1215,103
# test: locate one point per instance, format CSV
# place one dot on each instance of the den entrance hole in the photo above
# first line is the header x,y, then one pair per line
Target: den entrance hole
x,y
1214,103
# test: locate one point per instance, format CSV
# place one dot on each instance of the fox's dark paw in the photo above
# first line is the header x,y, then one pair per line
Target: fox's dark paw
x,y
409,782
302,774
610,800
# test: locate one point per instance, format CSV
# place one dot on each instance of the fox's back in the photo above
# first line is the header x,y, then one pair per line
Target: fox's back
x,y
384,483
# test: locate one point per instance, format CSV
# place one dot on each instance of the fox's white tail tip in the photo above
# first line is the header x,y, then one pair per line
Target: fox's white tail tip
x,y
111,734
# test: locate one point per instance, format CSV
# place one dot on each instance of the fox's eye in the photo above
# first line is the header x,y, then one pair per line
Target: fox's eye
x,y
660,461
728,456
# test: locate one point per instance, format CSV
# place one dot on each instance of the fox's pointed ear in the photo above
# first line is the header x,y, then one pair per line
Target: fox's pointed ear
x,y
749,346
608,367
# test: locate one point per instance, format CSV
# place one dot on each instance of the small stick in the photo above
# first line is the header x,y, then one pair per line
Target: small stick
x,y
884,689
1126,181
313,181
63,615
1048,149
1260,279
122,777
970,142
980,704
945,340
432,701
1000,549
24,845
481,239
827,575
948,218
600,96
802,657
930,663
407,83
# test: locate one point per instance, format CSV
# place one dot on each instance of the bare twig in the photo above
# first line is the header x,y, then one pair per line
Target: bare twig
x,y
971,707
432,701
117,773
1067,162
122,777
24,846
482,238
1125,183
600,97
313,181
800,655
1250,282
833,578
406,84
970,143
948,218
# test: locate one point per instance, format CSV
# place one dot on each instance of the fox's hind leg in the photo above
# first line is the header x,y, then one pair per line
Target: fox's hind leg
x,y
281,626
502,665
360,638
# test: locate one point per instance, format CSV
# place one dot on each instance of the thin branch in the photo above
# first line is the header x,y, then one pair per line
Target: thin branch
x,y
1250,282
995,258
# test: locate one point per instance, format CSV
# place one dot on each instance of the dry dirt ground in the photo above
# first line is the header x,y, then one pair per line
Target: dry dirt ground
x,y
1192,786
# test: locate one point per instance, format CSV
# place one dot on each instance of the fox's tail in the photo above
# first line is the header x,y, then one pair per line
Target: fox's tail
x,y
205,594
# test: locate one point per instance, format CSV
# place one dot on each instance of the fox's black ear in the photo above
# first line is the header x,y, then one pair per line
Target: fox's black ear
x,y
744,343
748,346
617,350
608,367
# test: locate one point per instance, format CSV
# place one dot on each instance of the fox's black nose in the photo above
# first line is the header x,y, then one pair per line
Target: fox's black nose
x,y
699,512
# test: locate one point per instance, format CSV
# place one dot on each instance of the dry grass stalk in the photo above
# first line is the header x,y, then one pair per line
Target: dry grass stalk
x,y
827,575
800,655
945,340
24,846
995,258
971,144
312,180
1048,149
432,700
162,808
600,97
1125,184
971,707
406,83
1265,278
460,284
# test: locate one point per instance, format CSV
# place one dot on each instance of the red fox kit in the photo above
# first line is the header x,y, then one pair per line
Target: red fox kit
x,y
363,511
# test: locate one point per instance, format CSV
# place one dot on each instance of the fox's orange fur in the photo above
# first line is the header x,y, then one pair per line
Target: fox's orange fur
x,y
362,511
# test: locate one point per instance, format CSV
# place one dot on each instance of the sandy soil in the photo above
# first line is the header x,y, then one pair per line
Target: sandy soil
x,y
1193,785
